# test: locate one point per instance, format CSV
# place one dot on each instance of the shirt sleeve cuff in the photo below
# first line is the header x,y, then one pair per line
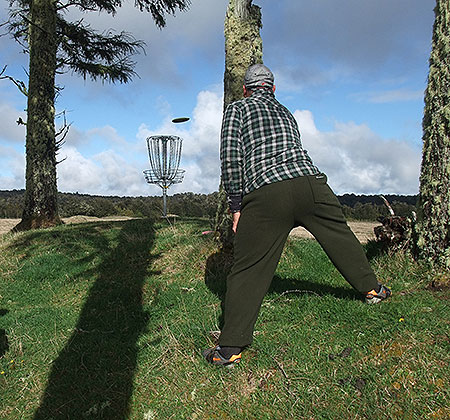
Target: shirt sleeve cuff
x,y
235,202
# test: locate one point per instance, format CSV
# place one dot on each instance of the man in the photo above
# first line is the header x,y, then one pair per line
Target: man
x,y
272,186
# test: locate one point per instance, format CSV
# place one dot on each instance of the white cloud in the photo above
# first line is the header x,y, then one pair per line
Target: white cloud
x,y
13,169
106,173
11,132
78,174
305,119
395,95
118,169
107,133
75,137
357,160
354,157
200,154
97,138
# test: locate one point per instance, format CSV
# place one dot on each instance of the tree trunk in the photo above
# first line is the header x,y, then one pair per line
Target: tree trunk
x,y
40,208
432,230
243,47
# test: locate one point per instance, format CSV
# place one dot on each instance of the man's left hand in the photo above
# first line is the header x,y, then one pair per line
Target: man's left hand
x,y
236,217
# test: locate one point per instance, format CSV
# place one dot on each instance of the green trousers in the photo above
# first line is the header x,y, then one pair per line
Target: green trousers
x,y
268,214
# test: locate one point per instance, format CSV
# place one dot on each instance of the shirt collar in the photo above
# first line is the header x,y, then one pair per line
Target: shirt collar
x,y
261,92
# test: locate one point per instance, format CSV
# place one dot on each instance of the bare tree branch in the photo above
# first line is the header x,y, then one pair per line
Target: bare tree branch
x,y
391,211
76,4
61,134
1,25
19,84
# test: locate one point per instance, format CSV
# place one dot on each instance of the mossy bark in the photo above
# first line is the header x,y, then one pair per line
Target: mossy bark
x,y
40,209
243,47
432,230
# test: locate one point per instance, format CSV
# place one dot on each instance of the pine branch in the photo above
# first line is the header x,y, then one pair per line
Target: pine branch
x,y
108,6
158,8
79,5
18,24
104,56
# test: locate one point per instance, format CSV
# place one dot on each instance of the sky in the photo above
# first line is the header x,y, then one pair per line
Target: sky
x,y
353,73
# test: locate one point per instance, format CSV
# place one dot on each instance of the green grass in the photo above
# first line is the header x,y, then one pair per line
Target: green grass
x,y
108,320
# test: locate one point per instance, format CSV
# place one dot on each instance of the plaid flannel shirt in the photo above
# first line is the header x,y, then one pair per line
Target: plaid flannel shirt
x,y
260,144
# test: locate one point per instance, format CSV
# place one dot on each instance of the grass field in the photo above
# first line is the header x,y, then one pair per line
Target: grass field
x,y
107,321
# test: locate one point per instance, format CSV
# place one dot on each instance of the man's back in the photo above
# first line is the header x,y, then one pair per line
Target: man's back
x,y
262,136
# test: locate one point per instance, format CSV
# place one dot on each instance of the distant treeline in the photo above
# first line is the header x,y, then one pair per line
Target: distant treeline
x,y
356,207
371,207
74,204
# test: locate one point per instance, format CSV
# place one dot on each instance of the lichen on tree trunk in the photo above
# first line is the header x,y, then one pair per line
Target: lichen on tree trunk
x,y
432,230
40,209
243,47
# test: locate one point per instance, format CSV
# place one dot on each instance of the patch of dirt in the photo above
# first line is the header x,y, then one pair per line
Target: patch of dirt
x,y
85,219
7,224
362,230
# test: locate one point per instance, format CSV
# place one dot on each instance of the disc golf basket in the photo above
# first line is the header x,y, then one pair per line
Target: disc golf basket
x,y
164,153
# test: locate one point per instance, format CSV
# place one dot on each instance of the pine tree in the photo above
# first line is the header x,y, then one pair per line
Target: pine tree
x,y
432,231
243,47
57,45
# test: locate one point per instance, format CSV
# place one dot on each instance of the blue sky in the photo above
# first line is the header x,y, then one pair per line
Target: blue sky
x,y
353,73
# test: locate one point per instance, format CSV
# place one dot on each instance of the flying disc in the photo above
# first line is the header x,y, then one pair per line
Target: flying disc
x,y
180,120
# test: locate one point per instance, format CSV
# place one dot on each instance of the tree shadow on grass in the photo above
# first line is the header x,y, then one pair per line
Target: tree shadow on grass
x,y
4,344
219,264
283,285
92,377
